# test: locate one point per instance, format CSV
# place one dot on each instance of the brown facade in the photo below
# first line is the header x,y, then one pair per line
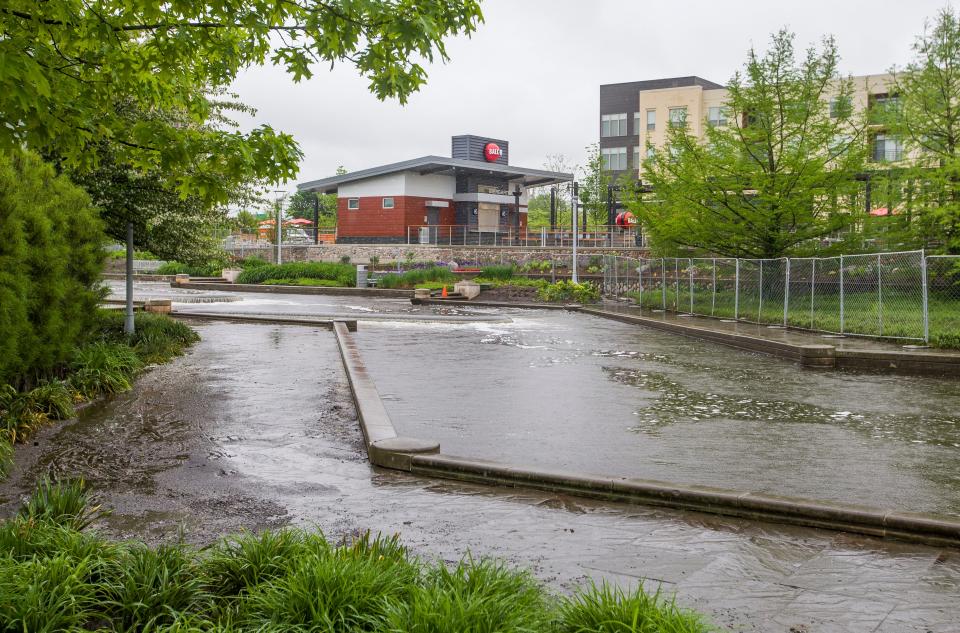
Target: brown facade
x,y
372,220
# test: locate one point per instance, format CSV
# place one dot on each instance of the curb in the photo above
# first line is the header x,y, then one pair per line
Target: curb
x,y
384,447
296,290
494,304
421,457
213,316
814,355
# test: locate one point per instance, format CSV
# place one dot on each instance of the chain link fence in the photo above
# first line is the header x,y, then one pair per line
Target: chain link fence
x,y
902,295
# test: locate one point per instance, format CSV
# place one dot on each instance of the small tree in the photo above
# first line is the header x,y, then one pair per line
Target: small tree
x,y
927,119
775,178
594,185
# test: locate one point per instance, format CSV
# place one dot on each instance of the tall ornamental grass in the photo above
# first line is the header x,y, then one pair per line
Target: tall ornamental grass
x,y
56,574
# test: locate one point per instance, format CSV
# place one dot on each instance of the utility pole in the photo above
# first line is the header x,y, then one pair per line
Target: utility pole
x,y
316,219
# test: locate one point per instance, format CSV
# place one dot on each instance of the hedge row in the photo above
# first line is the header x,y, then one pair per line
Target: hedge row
x,y
344,274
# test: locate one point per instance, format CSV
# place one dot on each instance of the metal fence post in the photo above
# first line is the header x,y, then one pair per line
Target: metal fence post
x,y
640,282
879,296
842,316
813,288
736,289
690,271
760,292
713,296
926,304
663,281
786,294
676,284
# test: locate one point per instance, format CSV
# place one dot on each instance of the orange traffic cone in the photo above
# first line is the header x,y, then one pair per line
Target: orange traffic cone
x,y
443,294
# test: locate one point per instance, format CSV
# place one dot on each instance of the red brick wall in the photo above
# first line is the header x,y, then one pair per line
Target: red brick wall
x,y
372,220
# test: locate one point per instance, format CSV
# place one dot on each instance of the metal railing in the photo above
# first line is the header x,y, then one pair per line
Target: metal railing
x,y
902,295
471,235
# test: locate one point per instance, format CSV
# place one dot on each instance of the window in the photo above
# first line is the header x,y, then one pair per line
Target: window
x,y
388,203
636,123
716,116
678,117
614,158
636,157
613,124
651,120
840,106
353,203
651,152
882,107
887,149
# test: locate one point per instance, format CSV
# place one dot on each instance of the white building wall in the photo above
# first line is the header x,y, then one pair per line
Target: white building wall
x,y
389,185
430,185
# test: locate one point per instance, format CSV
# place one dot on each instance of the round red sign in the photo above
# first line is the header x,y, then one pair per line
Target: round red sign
x,y
492,152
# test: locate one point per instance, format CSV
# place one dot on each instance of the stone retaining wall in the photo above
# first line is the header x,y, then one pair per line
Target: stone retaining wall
x,y
361,253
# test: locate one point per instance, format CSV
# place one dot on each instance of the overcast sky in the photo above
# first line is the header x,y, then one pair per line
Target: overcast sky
x,y
531,74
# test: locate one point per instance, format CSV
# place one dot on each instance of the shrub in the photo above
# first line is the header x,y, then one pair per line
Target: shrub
x,y
152,587
51,256
103,368
461,599
567,290
303,281
605,609
252,262
505,271
210,269
411,278
157,338
344,274
239,563
63,503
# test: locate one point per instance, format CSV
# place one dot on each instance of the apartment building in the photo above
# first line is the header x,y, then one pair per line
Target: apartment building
x,y
638,113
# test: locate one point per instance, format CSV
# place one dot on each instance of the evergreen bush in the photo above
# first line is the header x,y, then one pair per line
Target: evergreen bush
x,y
51,256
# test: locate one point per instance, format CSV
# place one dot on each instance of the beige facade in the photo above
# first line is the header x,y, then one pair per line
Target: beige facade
x,y
702,105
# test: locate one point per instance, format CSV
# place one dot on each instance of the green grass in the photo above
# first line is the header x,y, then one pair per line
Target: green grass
x,y
566,290
417,277
897,315
524,282
122,254
303,281
504,272
344,274
57,574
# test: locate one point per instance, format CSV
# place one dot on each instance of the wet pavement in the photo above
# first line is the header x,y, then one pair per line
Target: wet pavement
x,y
572,391
254,427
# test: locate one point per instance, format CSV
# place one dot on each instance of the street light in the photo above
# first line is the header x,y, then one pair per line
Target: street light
x,y
280,195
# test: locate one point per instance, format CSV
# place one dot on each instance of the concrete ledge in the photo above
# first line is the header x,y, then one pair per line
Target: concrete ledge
x,y
253,318
494,304
297,290
921,528
384,447
813,356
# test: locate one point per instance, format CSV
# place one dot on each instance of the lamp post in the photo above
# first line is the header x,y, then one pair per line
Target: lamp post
x,y
280,195
576,229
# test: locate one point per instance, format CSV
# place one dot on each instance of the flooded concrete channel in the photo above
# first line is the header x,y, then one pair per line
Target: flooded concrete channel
x,y
255,428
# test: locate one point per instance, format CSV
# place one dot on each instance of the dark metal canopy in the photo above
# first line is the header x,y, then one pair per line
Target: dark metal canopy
x,y
441,165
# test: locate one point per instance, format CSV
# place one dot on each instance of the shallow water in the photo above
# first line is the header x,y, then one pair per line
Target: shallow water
x,y
576,392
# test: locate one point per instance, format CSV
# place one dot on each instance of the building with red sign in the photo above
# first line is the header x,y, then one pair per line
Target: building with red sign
x,y
475,191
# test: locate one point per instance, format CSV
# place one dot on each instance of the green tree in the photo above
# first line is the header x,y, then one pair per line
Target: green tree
x,y
594,184
772,180
301,205
927,119
65,64
51,257
246,220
